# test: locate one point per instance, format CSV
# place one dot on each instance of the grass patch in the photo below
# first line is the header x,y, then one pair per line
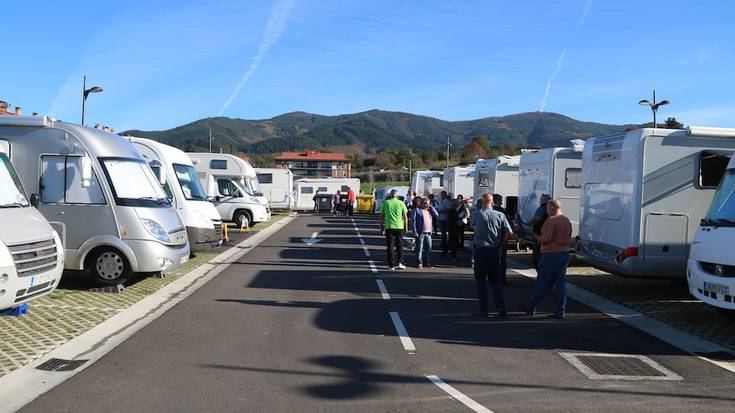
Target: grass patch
x,y
368,187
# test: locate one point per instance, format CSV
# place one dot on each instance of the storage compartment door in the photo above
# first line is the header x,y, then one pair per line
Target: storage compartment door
x,y
665,244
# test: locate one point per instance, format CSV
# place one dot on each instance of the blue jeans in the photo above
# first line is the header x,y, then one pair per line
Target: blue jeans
x,y
552,270
487,263
423,252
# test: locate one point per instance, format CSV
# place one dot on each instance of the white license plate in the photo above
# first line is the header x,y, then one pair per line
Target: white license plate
x,y
184,259
38,279
717,288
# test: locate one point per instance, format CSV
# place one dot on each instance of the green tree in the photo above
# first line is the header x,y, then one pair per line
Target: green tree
x,y
672,123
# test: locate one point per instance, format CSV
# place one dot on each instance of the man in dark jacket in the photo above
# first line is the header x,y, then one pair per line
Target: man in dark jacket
x,y
422,224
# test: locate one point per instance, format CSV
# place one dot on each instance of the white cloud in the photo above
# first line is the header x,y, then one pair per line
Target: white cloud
x,y
718,116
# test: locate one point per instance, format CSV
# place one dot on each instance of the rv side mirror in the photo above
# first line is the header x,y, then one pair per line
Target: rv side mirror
x,y
157,168
86,167
34,200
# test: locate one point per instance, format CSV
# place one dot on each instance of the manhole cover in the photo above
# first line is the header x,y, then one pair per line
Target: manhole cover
x,y
603,366
60,365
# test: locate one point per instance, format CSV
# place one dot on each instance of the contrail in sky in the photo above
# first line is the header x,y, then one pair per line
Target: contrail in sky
x,y
273,29
560,61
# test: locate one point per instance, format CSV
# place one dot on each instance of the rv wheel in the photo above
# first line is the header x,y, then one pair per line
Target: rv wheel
x,y
109,267
242,218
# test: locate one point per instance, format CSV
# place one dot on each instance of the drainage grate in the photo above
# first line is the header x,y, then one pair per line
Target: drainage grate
x,y
603,366
60,365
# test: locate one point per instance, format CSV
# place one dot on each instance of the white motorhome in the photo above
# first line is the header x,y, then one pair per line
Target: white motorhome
x,y
711,265
99,195
644,194
381,194
306,188
179,180
233,185
277,186
31,262
417,182
459,180
434,183
553,171
498,176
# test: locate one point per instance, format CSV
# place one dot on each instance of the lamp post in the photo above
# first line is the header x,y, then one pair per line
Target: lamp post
x,y
448,146
654,106
85,93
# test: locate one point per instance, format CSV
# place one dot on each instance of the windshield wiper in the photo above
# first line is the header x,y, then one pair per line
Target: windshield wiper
x,y
720,222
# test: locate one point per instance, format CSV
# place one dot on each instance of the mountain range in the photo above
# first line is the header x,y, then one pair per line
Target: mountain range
x,y
372,131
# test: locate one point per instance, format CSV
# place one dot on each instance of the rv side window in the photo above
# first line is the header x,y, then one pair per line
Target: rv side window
x,y
218,164
52,179
573,178
712,167
227,188
345,188
322,189
265,178
75,192
307,190
61,182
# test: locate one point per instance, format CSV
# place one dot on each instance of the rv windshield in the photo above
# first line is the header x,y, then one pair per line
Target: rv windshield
x,y
189,182
722,210
133,183
242,185
253,185
11,191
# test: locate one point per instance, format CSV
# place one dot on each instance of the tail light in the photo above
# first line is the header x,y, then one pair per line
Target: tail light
x,y
628,252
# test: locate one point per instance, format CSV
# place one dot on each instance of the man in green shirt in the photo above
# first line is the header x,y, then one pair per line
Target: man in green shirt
x,y
393,221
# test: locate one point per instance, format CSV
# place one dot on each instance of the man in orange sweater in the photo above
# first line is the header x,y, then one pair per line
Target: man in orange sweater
x,y
554,239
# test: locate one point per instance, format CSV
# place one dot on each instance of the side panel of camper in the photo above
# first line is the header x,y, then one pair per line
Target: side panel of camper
x,y
305,189
277,185
535,179
567,171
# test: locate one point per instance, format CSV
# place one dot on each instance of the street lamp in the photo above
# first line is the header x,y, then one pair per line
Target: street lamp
x,y
86,92
654,106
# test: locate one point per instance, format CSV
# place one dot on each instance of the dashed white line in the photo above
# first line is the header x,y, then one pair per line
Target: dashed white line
x,y
459,396
367,252
402,333
362,241
373,268
383,290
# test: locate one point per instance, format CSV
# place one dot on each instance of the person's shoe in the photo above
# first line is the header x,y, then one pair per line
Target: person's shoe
x,y
392,268
401,267
420,267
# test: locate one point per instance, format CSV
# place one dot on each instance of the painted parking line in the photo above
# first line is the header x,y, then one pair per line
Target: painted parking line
x,y
366,251
383,290
402,333
459,396
373,268
362,241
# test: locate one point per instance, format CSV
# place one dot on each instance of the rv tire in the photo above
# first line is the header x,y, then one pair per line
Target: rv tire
x,y
243,216
108,266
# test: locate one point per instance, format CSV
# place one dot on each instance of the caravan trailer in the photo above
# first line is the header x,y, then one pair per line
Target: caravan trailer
x,y
553,171
180,182
277,186
233,184
644,194
434,183
102,198
498,176
459,180
306,188
417,182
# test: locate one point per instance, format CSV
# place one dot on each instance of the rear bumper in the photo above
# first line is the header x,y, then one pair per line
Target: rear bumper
x,y
696,277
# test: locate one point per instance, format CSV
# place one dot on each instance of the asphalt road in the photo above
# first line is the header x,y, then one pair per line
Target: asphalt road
x,y
293,327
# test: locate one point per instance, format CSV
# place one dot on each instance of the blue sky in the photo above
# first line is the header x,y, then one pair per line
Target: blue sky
x,y
163,64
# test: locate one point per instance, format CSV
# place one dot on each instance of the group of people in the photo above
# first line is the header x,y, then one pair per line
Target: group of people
x,y
420,217
349,209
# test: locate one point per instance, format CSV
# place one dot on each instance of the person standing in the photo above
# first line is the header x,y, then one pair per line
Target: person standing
x,y
409,199
463,216
422,222
498,206
554,241
443,206
393,221
539,217
316,202
351,198
453,228
335,203
492,230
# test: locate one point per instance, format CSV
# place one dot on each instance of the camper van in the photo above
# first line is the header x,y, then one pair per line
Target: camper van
x,y
417,182
100,196
434,183
179,180
644,195
459,180
553,171
232,184
498,176
381,194
306,188
277,186
711,266
31,258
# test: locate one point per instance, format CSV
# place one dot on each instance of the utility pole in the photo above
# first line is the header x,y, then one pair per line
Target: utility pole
x,y
448,145
210,140
410,163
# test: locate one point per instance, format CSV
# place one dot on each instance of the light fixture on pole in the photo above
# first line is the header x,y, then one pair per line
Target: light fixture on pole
x,y
654,106
448,146
85,93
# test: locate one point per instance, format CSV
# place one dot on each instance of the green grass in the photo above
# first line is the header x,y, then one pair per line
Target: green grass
x,y
368,187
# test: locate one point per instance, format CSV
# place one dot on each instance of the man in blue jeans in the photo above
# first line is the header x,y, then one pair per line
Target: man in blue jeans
x,y
492,230
422,219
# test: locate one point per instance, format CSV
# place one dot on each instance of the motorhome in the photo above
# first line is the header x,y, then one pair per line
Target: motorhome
x,y
417,181
553,171
31,258
232,184
498,176
434,183
711,265
277,186
644,194
306,188
100,196
459,180
381,194
179,180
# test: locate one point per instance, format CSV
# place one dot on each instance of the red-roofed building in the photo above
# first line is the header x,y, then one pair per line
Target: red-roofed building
x,y
315,164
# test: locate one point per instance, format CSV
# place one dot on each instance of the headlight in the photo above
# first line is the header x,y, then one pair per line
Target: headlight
x,y
155,229
6,260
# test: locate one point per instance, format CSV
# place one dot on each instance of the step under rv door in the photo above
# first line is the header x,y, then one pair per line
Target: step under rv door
x,y
666,246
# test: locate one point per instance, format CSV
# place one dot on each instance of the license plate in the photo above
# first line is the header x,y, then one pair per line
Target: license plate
x,y
717,288
184,259
38,279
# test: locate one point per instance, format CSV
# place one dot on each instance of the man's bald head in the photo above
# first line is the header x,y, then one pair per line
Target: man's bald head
x,y
487,200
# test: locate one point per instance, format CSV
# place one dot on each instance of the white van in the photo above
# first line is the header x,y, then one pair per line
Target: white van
x,y
306,188
434,183
711,266
381,194
644,194
459,180
553,171
31,258
417,182
180,182
233,185
277,186
99,195
497,176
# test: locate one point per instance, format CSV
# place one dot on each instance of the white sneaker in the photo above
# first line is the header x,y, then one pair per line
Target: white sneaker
x,y
401,267
392,268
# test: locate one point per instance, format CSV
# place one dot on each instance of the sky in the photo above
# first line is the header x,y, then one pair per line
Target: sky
x,y
167,63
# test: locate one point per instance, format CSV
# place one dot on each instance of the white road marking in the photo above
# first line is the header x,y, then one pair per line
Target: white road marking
x,y
373,268
313,235
367,252
362,241
459,396
311,240
402,333
383,290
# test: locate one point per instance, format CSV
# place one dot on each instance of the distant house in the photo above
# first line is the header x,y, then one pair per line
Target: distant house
x,y
315,164
5,109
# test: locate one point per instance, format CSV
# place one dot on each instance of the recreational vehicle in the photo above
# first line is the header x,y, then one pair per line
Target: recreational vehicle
x,y
644,195
31,261
381,194
417,182
179,180
277,186
306,188
459,180
100,196
553,171
434,183
498,176
232,184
